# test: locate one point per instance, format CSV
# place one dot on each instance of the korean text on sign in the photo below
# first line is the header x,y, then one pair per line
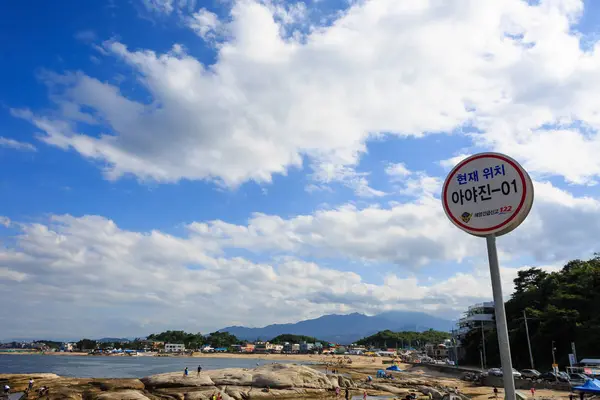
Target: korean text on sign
x,y
483,192
488,173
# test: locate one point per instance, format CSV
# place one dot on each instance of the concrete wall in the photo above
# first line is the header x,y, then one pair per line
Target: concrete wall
x,y
448,369
524,384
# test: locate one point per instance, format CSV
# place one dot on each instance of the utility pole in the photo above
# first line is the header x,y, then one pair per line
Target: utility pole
x,y
528,340
455,352
483,345
481,357
554,362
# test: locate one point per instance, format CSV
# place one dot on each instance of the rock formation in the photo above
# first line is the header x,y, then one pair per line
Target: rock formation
x,y
268,381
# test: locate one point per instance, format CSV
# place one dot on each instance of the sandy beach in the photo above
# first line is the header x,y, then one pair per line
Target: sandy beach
x,y
357,361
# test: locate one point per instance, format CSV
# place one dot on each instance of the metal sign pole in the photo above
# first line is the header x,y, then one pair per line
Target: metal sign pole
x,y
501,326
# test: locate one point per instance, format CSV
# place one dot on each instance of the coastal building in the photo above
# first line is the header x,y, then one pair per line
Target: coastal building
x,y
152,345
306,347
477,316
263,347
67,347
277,348
248,348
174,347
437,351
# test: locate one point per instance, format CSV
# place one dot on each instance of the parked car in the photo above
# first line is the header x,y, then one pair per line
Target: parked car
x,y
498,372
531,373
578,379
564,375
550,376
517,374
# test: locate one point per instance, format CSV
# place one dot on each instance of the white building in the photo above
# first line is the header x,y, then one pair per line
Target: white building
x,y
478,316
67,346
174,347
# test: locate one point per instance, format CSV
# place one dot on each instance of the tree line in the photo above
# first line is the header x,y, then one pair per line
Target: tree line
x,y
561,308
217,339
389,339
297,339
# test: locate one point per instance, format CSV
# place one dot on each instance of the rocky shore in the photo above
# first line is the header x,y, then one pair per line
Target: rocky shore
x,y
281,381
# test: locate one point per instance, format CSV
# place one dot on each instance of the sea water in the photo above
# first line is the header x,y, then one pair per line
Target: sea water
x,y
119,366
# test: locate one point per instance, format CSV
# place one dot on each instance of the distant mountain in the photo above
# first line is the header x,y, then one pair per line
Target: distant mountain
x,y
346,328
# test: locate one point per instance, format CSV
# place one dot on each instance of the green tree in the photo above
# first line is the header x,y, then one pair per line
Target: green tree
x,y
86,344
190,340
221,339
561,307
196,340
287,337
392,339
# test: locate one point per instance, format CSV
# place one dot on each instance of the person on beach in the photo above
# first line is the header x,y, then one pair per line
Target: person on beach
x,y
6,389
365,395
214,396
30,386
532,391
186,371
219,397
337,391
199,369
347,394
495,392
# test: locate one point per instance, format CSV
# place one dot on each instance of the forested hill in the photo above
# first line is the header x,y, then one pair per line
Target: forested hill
x,y
281,339
562,306
391,339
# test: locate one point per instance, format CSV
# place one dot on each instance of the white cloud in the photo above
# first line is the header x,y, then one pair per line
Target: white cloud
x,y
326,173
397,171
416,232
10,275
4,221
205,23
89,265
453,161
169,6
15,144
401,69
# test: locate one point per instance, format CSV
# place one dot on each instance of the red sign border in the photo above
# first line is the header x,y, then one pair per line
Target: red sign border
x,y
473,158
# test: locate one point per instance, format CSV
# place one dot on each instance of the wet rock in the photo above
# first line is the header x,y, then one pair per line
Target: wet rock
x,y
118,384
436,394
231,376
176,379
390,388
120,395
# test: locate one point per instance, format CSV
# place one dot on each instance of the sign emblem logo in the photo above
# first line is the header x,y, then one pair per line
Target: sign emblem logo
x,y
466,217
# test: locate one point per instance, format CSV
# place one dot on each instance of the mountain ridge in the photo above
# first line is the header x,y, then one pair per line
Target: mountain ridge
x,y
345,328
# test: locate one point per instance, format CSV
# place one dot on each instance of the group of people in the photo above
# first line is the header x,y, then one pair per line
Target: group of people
x,y
186,371
42,391
333,370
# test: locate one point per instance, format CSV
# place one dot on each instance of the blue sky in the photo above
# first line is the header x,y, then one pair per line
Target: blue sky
x,y
253,155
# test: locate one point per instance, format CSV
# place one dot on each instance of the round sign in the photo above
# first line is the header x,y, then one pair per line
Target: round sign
x,y
487,194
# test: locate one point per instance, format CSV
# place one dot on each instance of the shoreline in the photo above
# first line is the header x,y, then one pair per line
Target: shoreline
x,y
285,381
357,361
